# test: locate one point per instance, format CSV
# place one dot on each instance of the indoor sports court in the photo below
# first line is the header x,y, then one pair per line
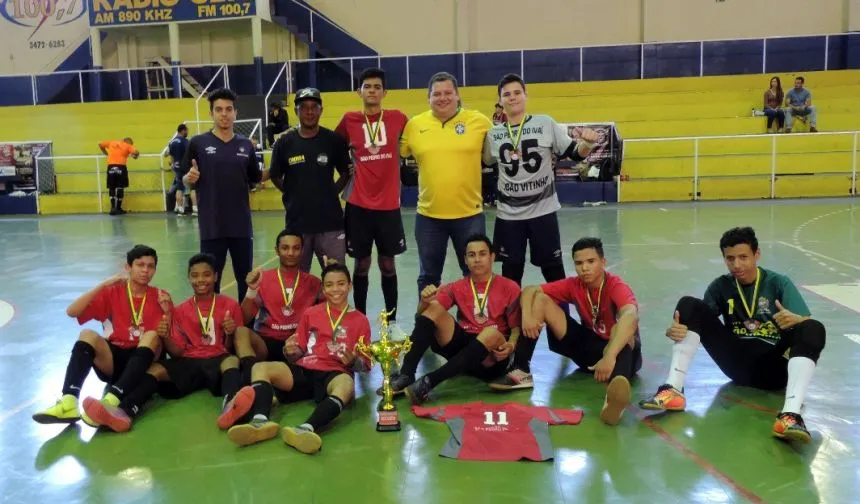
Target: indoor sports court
x,y
720,450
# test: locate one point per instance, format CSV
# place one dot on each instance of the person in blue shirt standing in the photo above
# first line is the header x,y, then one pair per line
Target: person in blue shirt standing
x,y
176,152
798,103
220,164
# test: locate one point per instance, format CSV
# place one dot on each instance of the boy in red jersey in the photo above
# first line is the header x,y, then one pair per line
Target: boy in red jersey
x,y
133,314
607,340
275,301
481,339
201,338
373,198
321,367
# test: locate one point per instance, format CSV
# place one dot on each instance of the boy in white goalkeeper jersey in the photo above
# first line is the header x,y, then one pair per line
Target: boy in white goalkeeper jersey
x,y
527,202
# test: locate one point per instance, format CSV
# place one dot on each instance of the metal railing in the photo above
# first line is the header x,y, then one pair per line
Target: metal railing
x,y
773,153
471,67
203,94
92,165
57,83
251,128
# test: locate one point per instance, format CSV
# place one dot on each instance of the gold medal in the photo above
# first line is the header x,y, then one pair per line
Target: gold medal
x,y
481,304
287,310
595,308
206,325
373,132
515,154
136,316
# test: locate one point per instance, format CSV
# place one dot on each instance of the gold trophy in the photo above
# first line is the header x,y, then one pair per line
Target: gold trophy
x,y
385,352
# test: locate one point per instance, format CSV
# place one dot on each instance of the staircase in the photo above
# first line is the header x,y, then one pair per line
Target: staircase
x,y
159,78
325,39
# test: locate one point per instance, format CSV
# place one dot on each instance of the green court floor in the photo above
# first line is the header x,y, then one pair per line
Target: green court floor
x,y
720,450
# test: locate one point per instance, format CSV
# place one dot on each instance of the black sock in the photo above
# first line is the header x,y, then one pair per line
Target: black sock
x,y
389,293
326,411
231,382
523,353
422,336
119,194
360,284
263,394
134,400
79,367
468,357
141,359
245,365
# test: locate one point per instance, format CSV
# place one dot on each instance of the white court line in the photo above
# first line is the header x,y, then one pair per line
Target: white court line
x,y
854,337
21,407
831,259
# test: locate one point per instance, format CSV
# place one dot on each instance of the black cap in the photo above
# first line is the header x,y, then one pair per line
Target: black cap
x,y
308,94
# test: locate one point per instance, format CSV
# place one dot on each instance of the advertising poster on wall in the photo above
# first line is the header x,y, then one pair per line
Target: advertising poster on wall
x,y
38,35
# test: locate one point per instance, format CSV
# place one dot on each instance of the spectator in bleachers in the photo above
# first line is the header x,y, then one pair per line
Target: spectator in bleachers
x,y
798,102
278,122
117,152
499,115
773,106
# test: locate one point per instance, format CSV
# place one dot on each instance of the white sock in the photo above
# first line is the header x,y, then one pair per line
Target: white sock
x,y
194,208
800,370
262,418
682,356
307,427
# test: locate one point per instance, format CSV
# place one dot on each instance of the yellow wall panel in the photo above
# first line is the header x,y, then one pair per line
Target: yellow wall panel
x,y
800,186
648,190
731,189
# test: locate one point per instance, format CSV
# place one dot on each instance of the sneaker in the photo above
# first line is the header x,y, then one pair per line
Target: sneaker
x,y
108,400
399,382
103,414
419,391
813,130
194,212
302,439
617,399
236,408
259,429
667,398
65,411
790,427
514,379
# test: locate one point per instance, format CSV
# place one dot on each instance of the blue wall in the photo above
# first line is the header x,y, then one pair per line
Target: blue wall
x,y
794,54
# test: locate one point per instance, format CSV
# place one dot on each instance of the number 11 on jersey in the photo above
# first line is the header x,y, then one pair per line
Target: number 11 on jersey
x,y
502,418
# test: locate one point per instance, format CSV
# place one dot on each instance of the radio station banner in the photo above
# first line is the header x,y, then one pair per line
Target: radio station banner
x,y
37,36
603,163
138,12
18,163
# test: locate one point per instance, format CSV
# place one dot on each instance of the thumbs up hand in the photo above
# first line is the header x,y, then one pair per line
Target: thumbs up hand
x,y
229,324
677,331
163,328
193,174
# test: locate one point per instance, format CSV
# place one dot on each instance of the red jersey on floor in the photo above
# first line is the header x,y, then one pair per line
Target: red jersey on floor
x,y
198,326
501,307
322,345
274,318
499,432
614,295
375,143
111,306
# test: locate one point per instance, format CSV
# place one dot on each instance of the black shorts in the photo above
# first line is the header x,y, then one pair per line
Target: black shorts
x,y
540,233
275,349
461,340
189,375
364,227
117,176
307,384
584,347
120,356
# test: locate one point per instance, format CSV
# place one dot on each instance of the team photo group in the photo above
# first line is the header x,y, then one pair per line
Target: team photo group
x,y
292,336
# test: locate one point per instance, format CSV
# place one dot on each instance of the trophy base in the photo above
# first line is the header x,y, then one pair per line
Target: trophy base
x,y
387,421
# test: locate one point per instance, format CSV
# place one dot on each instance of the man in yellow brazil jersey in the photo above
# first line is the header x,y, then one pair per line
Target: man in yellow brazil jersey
x,y
447,142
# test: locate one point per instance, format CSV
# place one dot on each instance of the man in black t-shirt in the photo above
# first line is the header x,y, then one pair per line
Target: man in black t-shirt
x,y
302,167
219,165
